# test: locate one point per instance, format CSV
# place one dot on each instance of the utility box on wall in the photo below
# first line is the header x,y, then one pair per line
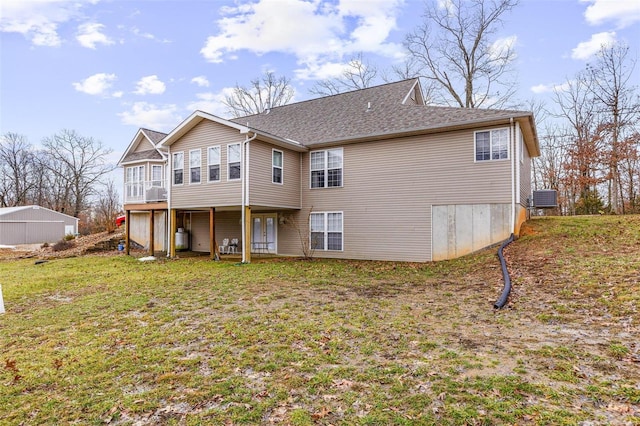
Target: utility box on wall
x,y
545,199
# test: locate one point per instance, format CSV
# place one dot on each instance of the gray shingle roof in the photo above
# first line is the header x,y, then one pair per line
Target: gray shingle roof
x,y
347,117
149,154
154,136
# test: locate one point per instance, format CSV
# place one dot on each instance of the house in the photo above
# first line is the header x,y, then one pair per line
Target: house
x,y
34,225
368,174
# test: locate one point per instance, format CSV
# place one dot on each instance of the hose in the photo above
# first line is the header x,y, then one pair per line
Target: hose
x,y
505,275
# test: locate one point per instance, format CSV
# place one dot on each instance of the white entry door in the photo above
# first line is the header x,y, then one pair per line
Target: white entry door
x,y
263,233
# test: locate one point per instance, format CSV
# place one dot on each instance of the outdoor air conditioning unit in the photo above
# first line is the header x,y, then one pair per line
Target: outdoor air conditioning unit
x,y
545,199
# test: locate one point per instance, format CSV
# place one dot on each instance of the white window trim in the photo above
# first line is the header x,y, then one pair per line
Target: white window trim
x,y
273,166
173,169
229,162
199,151
475,160
161,180
326,231
326,169
209,163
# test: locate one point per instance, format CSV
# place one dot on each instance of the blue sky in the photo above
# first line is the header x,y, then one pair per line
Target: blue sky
x,y
107,67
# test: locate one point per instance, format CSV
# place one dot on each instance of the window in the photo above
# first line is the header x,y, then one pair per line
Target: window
x,y
326,168
213,161
492,145
233,161
178,168
276,174
326,231
156,175
195,165
135,181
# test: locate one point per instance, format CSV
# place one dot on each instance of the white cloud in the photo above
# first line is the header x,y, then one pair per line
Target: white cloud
x,y
97,84
501,46
586,49
314,32
143,114
201,81
138,33
623,13
38,20
150,85
212,102
314,70
549,88
90,34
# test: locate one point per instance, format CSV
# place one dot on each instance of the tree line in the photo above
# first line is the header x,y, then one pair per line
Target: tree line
x,y
589,134
67,173
590,143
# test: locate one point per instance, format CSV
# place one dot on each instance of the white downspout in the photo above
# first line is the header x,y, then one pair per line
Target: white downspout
x,y
513,177
168,181
244,160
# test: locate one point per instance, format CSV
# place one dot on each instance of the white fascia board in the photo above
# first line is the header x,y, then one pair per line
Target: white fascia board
x,y
191,121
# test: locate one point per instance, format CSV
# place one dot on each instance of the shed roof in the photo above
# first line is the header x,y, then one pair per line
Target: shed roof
x,y
6,211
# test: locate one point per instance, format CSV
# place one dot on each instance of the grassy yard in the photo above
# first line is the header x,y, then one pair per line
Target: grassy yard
x,y
111,340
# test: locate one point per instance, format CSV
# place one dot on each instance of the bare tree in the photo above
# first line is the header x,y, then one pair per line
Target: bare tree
x,y
619,108
455,50
265,92
107,207
18,170
78,164
358,74
583,173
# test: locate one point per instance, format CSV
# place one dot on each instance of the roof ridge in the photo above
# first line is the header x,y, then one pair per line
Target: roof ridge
x,y
293,104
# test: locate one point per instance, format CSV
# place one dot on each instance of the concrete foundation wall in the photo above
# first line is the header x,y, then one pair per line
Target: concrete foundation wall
x,y
462,229
139,229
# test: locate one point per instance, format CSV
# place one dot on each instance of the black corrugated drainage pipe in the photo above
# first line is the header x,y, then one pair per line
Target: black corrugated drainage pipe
x,y
505,275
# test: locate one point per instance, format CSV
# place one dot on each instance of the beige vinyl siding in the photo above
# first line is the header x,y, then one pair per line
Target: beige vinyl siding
x,y
143,145
525,177
204,194
390,186
262,191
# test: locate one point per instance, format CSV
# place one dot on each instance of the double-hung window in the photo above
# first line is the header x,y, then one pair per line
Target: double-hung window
x,y
195,165
326,231
213,161
178,168
156,175
326,168
492,145
233,161
135,181
276,166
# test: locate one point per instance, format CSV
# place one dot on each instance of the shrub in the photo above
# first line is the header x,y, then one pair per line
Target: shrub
x,y
63,245
69,237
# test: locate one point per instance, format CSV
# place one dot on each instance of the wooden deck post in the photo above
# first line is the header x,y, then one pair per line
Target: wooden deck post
x,y
213,246
151,242
127,228
246,240
172,235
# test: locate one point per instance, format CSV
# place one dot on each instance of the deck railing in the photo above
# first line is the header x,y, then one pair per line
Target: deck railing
x,y
145,192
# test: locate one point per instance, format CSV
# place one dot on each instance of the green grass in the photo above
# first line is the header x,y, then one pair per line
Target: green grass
x,y
106,340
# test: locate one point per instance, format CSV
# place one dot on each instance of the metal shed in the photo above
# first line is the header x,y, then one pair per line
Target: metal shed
x,y
34,225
